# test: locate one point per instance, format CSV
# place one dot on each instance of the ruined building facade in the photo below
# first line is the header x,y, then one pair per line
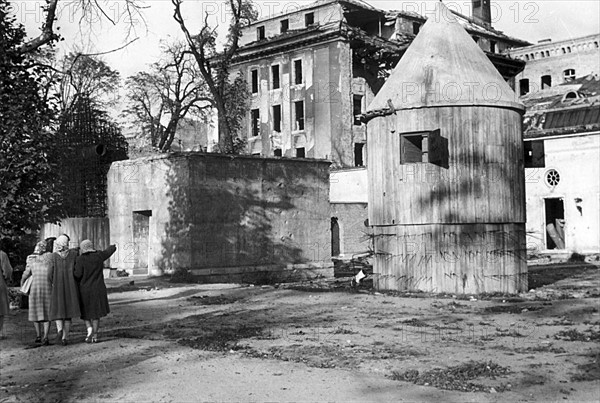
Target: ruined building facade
x,y
549,63
313,70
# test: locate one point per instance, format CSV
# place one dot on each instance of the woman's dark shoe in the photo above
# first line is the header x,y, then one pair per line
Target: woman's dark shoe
x,y
88,339
38,340
95,339
58,336
64,342
45,341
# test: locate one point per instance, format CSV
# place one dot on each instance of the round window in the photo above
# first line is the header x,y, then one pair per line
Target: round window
x,y
552,177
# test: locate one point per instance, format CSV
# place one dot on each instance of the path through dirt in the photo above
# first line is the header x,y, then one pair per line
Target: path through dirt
x,y
320,341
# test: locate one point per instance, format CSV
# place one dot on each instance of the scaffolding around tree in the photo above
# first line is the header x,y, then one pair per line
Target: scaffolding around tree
x,y
90,142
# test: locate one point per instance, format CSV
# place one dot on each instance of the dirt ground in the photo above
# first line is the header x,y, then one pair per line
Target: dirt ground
x,y
319,341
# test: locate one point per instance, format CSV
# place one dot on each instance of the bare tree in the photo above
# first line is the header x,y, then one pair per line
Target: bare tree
x,y
172,89
87,76
93,9
214,66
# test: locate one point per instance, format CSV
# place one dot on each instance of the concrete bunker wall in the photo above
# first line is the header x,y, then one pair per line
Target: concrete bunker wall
x,y
225,218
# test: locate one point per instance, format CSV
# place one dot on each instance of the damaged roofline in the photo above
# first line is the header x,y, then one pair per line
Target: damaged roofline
x,y
315,5
488,32
313,35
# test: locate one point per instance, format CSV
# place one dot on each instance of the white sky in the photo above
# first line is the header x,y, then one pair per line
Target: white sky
x,y
528,20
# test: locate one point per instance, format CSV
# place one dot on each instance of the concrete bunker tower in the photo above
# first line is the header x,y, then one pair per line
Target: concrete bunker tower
x,y
446,175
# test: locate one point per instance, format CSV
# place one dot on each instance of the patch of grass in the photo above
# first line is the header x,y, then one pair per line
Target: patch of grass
x,y
211,300
457,377
575,335
589,371
512,308
540,349
414,322
343,330
221,339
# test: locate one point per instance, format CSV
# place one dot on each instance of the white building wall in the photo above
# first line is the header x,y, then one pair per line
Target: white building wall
x,y
577,160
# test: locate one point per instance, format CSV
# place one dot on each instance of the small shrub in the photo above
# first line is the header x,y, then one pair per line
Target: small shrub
x,y
181,275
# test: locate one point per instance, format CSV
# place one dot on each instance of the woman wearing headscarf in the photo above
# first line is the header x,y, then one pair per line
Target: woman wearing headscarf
x,y
5,274
64,303
94,299
39,265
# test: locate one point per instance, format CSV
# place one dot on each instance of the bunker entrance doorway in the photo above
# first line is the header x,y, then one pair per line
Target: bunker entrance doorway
x,y
555,223
141,234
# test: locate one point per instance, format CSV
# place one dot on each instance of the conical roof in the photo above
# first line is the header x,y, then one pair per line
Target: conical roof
x,y
444,66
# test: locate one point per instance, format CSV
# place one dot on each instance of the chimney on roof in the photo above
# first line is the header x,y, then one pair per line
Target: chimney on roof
x,y
482,12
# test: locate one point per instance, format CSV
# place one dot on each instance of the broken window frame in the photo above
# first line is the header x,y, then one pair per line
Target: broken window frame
x,y
275,77
359,154
534,155
416,27
309,19
254,81
524,89
357,109
299,115
260,32
546,81
569,75
276,109
298,73
284,26
254,122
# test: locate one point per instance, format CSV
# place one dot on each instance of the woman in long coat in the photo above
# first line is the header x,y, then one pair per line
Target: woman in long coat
x,y
94,299
5,273
39,265
65,295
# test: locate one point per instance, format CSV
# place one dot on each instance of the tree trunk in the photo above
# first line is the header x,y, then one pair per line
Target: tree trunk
x,y
225,135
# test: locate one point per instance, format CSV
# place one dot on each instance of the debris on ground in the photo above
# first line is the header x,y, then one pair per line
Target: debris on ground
x,y
458,377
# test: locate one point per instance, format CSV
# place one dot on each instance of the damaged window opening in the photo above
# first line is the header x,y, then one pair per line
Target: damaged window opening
x,y
260,32
309,19
275,76
546,82
358,154
578,206
416,27
255,120
277,152
298,71
357,110
277,118
493,46
569,75
300,153
285,25
523,86
299,115
254,80
534,154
